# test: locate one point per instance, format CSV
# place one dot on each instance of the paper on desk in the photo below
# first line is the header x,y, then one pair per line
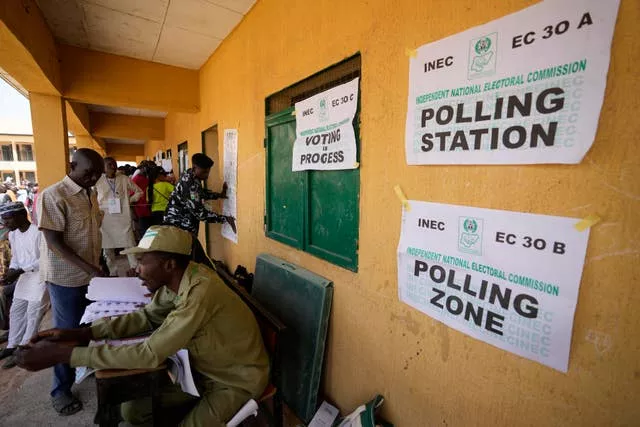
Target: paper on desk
x,y
127,289
30,287
180,372
325,417
83,372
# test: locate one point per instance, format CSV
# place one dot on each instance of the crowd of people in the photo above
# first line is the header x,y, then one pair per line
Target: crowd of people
x,y
83,221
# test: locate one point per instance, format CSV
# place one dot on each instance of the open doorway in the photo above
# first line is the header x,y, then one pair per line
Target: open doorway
x,y
214,183
183,158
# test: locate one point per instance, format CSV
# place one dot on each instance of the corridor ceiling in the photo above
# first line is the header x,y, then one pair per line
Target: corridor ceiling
x,y
182,33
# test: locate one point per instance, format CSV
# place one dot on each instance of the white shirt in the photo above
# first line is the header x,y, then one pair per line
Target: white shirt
x,y
25,248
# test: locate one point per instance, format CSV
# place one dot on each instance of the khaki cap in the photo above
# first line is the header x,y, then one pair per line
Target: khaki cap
x,y
163,238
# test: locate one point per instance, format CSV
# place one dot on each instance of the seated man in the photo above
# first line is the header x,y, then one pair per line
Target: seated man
x,y
30,297
192,308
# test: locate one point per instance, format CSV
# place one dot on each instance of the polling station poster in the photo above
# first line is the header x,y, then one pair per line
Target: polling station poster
x,y
509,279
526,88
325,138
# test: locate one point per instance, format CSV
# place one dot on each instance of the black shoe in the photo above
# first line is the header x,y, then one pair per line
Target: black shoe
x,y
9,363
6,352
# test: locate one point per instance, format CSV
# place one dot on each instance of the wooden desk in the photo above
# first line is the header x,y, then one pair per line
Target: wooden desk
x,y
116,386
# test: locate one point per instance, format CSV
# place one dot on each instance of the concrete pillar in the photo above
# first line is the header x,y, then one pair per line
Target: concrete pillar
x,y
51,142
16,173
87,141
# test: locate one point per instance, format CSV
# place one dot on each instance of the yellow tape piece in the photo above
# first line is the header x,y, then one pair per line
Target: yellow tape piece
x,y
293,113
587,222
402,197
356,165
411,52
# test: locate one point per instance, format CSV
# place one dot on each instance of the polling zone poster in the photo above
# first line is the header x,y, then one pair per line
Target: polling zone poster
x,y
525,88
509,279
325,138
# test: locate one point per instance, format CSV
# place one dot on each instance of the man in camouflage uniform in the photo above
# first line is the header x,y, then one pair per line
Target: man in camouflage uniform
x,y
186,205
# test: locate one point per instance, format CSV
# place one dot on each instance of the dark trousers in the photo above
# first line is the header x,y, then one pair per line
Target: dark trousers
x,y
67,306
6,298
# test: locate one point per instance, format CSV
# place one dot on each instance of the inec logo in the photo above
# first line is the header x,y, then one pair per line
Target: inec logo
x,y
470,235
323,116
483,56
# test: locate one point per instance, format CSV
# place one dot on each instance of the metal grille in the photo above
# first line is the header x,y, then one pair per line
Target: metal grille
x,y
335,75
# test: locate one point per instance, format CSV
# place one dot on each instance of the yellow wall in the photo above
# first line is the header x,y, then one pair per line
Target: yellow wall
x,y
87,141
179,127
128,127
101,78
431,374
125,152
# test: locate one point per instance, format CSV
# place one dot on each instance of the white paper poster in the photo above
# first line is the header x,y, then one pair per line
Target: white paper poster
x,y
231,178
325,138
166,165
526,88
509,279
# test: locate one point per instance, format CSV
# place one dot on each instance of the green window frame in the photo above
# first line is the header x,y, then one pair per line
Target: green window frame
x,y
317,212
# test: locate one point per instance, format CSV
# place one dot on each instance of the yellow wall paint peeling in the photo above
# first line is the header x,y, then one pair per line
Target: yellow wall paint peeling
x,y
430,374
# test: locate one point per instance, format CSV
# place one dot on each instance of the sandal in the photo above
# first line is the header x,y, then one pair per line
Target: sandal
x,y
9,363
66,405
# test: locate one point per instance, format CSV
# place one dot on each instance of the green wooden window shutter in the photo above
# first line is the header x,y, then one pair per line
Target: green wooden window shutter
x,y
315,211
285,190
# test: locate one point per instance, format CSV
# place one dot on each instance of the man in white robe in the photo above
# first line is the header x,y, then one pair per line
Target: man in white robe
x,y
30,297
115,194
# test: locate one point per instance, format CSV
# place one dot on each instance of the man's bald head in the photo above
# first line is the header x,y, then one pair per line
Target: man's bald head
x,y
87,166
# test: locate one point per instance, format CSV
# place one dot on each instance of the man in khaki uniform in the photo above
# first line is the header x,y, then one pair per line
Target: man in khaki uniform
x,y
192,308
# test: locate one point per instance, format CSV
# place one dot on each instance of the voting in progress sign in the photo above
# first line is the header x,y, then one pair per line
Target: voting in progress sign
x,y
325,138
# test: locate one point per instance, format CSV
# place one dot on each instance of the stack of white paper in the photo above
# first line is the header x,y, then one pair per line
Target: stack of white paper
x,y
99,309
121,295
112,297
180,372
123,289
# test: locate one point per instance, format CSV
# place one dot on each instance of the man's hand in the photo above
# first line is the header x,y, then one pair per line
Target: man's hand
x,y
11,275
95,271
232,223
42,355
55,240
79,336
223,194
